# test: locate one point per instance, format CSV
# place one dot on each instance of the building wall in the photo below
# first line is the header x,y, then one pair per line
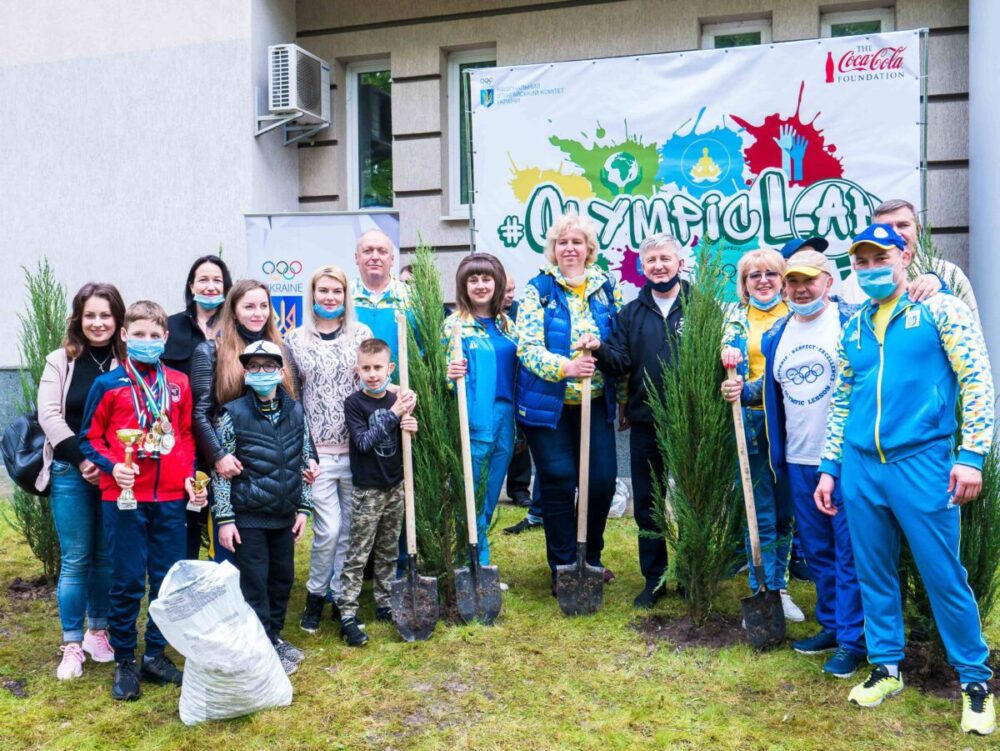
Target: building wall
x,y
417,37
127,141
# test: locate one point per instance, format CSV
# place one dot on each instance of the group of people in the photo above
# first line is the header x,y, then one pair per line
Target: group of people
x,y
850,444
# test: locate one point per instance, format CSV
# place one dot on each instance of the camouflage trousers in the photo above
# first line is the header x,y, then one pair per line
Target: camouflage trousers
x,y
375,524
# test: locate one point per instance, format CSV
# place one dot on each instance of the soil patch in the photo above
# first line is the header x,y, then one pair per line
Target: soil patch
x,y
719,631
31,589
15,687
933,675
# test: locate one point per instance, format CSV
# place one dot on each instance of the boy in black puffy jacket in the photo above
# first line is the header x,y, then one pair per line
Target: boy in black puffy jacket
x,y
261,512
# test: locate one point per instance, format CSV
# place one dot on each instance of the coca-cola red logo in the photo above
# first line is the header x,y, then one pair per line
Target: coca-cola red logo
x,y
887,58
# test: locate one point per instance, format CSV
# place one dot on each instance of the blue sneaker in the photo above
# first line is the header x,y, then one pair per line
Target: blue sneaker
x,y
824,641
843,663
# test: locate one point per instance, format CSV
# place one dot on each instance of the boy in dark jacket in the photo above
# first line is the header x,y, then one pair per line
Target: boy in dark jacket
x,y
648,329
374,418
145,536
261,513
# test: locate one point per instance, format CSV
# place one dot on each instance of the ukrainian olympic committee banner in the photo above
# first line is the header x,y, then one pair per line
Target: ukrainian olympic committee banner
x,y
283,251
749,146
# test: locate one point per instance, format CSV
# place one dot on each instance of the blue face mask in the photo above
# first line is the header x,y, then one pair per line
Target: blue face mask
x,y
147,351
878,282
209,302
809,308
329,315
379,391
765,305
262,382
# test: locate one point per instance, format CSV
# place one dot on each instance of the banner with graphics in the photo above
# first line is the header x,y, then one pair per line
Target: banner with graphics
x,y
283,251
747,146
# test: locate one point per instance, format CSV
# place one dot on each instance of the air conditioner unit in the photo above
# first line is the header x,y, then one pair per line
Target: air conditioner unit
x,y
298,83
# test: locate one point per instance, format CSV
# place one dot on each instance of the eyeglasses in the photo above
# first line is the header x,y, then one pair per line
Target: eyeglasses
x,y
756,276
267,367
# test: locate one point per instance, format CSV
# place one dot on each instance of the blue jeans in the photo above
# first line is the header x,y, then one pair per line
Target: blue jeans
x,y
557,460
492,457
774,516
826,542
84,579
141,543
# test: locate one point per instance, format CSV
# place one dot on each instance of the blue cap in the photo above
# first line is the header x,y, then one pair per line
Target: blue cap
x,y
881,236
792,247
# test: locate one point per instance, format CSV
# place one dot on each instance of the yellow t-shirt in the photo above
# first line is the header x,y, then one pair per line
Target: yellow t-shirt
x,y
760,321
880,318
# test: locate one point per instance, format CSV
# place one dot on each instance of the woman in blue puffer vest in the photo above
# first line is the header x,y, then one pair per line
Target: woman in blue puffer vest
x,y
489,364
570,298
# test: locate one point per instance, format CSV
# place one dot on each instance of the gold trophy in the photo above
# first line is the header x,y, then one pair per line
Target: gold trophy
x,y
130,437
200,482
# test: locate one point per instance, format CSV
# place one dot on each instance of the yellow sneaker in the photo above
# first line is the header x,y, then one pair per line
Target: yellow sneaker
x,y
978,714
878,686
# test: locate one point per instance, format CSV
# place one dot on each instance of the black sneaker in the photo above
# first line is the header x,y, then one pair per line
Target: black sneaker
x,y
798,569
313,613
649,596
159,669
125,686
383,615
522,526
290,656
351,634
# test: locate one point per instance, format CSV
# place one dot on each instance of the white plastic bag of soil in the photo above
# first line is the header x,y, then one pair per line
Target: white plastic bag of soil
x,y
231,668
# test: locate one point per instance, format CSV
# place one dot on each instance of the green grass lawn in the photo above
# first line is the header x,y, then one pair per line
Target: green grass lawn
x,y
536,680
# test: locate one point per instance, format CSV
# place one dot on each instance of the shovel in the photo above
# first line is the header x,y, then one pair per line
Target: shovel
x,y
477,587
414,597
580,586
763,615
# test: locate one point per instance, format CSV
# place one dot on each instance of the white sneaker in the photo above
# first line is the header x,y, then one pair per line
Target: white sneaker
x,y
792,611
72,662
504,586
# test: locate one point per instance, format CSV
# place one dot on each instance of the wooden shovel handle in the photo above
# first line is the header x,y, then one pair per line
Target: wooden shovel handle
x,y
463,423
404,384
584,482
741,449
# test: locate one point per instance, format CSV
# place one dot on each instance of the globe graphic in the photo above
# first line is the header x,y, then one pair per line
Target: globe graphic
x,y
622,170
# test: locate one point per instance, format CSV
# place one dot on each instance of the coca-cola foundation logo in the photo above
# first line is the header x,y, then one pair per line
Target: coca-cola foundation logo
x,y
866,63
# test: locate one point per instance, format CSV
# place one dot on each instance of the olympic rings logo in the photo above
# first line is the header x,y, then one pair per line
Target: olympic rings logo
x,y
805,374
282,269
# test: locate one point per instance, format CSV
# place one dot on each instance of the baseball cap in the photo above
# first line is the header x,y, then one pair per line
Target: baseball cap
x,y
811,263
792,247
263,348
879,235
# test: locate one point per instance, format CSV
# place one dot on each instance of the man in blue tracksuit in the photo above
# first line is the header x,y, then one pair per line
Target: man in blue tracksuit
x,y
903,368
800,355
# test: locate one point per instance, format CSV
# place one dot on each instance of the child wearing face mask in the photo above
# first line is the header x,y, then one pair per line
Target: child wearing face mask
x,y
147,538
261,512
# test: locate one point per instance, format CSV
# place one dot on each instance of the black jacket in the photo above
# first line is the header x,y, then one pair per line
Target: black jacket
x,y
202,379
185,335
271,455
637,346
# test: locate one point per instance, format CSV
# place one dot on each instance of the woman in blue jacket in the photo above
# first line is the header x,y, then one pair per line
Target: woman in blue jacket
x,y
489,364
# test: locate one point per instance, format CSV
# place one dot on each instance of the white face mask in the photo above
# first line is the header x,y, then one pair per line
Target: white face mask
x,y
576,281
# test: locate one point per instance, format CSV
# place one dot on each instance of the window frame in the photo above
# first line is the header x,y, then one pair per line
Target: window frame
x,y
885,14
709,31
456,209
352,71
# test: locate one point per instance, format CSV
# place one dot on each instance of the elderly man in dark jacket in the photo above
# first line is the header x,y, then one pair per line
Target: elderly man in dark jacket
x,y
647,333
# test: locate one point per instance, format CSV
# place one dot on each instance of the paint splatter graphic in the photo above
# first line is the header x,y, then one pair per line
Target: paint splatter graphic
x,y
523,181
799,148
700,162
613,169
630,269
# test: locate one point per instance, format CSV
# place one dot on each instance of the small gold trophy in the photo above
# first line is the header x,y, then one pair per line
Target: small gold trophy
x,y
130,437
200,482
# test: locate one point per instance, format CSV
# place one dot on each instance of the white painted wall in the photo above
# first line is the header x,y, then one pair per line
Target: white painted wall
x,y
126,141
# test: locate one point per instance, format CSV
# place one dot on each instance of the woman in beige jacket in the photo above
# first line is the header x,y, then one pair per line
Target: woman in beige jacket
x,y
92,346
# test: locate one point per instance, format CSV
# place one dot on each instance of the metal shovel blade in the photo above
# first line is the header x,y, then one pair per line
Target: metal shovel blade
x,y
580,586
415,604
764,619
478,591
